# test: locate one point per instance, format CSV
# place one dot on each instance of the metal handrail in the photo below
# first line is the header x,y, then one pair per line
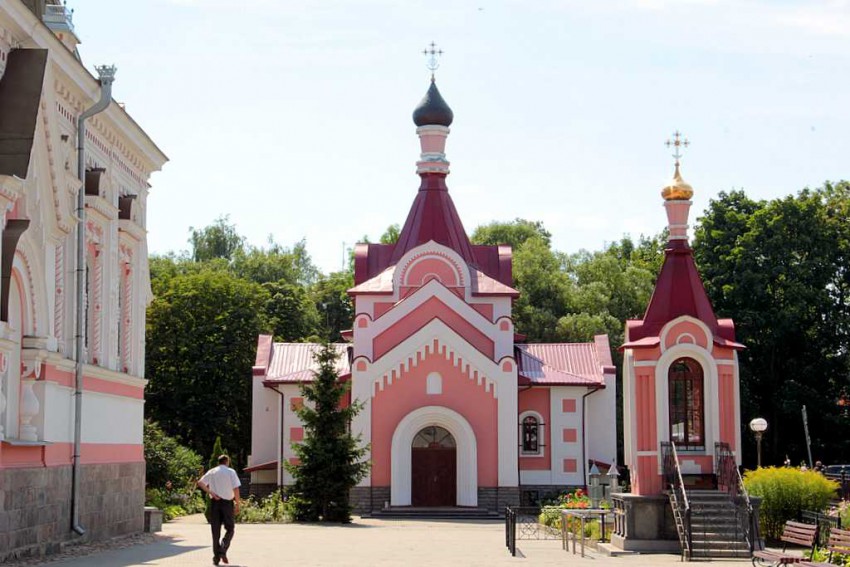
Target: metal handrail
x,y
724,463
673,476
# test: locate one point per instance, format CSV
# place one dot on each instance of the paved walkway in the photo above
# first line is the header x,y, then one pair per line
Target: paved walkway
x,y
367,542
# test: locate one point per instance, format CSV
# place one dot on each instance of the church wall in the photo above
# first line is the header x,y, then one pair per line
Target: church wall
x,y
601,426
459,393
565,416
536,400
265,423
37,341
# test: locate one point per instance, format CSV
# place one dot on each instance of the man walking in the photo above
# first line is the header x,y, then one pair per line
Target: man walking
x,y
222,486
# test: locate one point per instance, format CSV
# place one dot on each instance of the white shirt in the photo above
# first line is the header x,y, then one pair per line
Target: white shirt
x,y
222,480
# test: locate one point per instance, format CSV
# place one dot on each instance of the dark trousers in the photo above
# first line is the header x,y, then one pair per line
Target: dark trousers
x,y
221,513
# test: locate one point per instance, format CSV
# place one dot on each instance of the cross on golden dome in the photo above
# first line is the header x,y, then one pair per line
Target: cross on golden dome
x,y
433,54
677,143
677,189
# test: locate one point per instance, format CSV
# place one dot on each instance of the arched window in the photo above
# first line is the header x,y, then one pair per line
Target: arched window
x,y
531,431
687,404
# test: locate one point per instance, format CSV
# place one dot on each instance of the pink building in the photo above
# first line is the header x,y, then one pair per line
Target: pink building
x,y
458,411
44,88
680,387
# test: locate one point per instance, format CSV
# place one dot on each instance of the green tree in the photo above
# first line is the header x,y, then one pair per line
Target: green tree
x,y
331,460
334,306
167,461
514,233
775,267
217,451
291,313
390,235
276,263
201,344
219,240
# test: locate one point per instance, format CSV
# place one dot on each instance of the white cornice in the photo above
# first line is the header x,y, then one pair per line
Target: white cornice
x,y
35,34
131,229
112,376
102,206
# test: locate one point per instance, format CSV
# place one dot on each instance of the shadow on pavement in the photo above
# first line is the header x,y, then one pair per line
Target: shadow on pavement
x,y
142,554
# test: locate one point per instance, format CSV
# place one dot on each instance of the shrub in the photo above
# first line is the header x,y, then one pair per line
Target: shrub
x,y
785,492
273,508
167,461
171,473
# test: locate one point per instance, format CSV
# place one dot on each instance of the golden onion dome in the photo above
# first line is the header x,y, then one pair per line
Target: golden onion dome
x,y
677,189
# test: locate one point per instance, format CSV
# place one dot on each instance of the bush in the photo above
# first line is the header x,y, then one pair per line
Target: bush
x,y
171,473
167,461
785,492
271,509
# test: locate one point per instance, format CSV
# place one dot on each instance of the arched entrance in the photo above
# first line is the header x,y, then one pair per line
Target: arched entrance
x,y
433,468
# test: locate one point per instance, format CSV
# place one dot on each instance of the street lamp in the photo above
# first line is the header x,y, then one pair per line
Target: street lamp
x,y
758,426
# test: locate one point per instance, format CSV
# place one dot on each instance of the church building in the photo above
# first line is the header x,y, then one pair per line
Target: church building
x,y
75,169
459,410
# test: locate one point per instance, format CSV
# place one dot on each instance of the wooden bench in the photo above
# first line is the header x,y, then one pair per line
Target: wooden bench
x,y
839,543
804,535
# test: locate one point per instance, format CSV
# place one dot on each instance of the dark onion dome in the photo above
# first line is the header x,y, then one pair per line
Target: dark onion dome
x,y
432,109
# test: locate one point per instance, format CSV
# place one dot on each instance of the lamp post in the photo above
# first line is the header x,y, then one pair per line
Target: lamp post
x,y
758,427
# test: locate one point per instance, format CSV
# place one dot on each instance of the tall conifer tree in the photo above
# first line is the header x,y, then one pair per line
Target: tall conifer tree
x,y
330,458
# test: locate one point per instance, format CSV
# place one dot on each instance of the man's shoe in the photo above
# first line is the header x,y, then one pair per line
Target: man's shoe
x,y
224,559
216,559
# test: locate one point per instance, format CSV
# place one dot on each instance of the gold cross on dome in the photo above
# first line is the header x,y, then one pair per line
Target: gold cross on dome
x,y
677,143
433,54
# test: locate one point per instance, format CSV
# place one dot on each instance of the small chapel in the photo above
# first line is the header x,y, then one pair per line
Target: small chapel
x,y
459,411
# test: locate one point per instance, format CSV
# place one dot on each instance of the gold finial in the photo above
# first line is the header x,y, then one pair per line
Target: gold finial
x,y
677,189
433,54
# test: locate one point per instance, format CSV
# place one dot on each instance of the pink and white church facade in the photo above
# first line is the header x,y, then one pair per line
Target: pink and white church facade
x,y
458,411
44,88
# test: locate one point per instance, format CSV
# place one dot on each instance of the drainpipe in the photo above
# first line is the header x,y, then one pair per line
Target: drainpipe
x,y
584,432
106,74
281,430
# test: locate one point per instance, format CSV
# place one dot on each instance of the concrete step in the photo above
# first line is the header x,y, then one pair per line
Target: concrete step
x,y
437,513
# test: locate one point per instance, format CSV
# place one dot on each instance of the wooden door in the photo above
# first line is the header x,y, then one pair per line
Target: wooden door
x,y
433,468
434,476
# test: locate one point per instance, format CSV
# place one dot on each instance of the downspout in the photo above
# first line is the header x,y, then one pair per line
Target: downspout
x,y
584,432
106,75
282,408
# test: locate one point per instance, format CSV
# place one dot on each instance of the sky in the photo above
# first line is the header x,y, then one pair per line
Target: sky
x,y
294,118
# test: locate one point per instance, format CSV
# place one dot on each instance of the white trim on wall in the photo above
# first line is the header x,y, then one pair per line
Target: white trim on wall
x,y
467,453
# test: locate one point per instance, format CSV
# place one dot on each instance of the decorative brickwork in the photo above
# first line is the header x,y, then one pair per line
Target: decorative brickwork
x,y
35,506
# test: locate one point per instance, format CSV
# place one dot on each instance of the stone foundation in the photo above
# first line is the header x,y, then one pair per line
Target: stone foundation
x,y
365,499
648,525
496,498
35,506
261,490
537,494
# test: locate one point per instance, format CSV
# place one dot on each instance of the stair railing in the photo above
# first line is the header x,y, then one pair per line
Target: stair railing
x,y
672,473
729,480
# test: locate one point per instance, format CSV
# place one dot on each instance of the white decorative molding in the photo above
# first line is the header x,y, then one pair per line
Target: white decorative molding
x,y
4,366
29,409
434,384
402,454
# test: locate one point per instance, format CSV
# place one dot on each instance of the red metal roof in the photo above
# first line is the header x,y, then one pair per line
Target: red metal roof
x,y
573,364
482,284
432,217
269,466
294,363
678,291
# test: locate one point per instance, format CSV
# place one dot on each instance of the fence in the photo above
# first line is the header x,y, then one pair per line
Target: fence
x,y
522,523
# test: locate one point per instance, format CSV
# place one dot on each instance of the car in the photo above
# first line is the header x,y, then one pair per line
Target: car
x,y
835,471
